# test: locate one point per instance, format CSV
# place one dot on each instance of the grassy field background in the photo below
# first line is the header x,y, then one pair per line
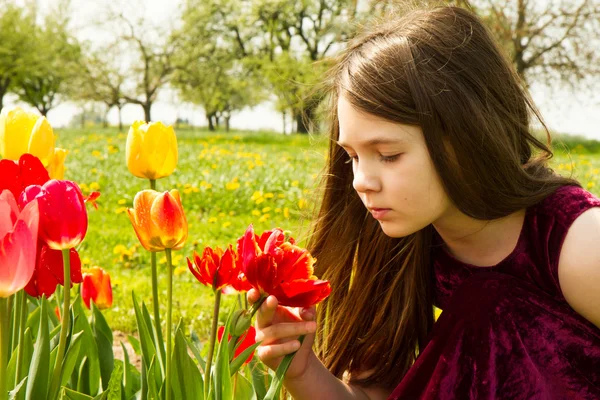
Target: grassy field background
x,y
226,181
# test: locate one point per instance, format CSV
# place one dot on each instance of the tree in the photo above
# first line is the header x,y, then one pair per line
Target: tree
x,y
102,81
15,40
549,41
208,69
53,61
153,69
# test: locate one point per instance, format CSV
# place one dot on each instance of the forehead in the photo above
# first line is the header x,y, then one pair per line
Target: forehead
x,y
361,128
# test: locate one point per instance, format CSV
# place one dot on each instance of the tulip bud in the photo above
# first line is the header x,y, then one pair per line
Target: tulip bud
x,y
151,150
96,286
240,322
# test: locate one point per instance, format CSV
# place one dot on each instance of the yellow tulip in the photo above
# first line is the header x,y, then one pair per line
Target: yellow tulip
x,y
56,168
158,220
151,150
24,132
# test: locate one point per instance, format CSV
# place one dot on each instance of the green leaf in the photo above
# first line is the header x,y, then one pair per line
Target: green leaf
x,y
13,394
237,362
242,388
104,341
196,353
88,380
73,395
260,379
114,385
37,384
135,343
277,382
222,378
187,379
152,381
157,339
71,357
148,349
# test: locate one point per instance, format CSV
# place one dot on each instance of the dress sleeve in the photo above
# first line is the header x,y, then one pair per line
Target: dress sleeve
x,y
564,207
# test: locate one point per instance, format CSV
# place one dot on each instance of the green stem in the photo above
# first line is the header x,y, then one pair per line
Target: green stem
x,y
22,316
277,382
211,345
3,347
251,312
169,311
155,303
64,329
14,301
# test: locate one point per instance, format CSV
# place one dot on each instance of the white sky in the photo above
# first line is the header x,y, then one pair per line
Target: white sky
x,y
563,111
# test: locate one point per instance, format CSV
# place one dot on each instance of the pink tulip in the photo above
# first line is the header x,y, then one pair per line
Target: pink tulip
x,y
18,242
63,217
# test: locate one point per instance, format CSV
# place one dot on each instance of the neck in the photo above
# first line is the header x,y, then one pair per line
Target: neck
x,y
477,242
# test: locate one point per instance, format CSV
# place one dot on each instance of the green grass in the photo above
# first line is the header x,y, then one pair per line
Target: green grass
x,y
226,181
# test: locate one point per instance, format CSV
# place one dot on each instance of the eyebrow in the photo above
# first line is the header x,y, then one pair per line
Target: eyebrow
x,y
374,142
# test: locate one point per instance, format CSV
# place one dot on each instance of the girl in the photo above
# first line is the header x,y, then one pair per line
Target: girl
x,y
436,193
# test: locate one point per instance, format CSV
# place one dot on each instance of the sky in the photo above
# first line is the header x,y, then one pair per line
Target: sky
x,y
563,111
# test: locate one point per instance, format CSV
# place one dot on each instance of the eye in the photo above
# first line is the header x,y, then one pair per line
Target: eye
x,y
389,158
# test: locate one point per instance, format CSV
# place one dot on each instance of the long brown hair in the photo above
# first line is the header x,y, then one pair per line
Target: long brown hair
x,y
440,69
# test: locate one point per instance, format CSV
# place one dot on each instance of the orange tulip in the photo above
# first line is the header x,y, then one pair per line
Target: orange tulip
x,y
159,220
96,286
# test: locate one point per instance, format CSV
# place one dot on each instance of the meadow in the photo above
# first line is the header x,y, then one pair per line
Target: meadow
x,y
226,181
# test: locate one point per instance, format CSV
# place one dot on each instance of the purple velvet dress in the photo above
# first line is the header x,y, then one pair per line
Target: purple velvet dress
x,y
506,331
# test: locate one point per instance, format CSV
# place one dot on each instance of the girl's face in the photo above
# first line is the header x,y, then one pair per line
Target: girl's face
x,y
393,172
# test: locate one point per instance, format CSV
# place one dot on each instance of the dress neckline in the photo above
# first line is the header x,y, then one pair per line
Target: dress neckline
x,y
449,258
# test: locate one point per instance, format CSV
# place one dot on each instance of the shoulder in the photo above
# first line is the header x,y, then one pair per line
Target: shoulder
x,y
579,265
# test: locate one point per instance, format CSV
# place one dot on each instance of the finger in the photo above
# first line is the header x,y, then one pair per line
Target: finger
x,y
284,330
308,314
277,350
264,316
253,295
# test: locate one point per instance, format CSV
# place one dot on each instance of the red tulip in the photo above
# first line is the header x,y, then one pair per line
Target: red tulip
x,y
49,271
96,286
215,268
16,176
18,236
279,268
246,341
63,217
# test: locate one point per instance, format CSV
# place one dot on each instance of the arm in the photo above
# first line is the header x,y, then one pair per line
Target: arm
x,y
318,383
579,266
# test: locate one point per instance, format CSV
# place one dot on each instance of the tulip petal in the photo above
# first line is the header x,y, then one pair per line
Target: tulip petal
x,y
167,214
10,177
140,216
41,141
9,212
17,259
296,263
16,126
302,293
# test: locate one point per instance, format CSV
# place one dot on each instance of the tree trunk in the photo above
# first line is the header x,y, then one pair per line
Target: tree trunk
x,y
211,126
147,108
305,118
120,119
217,121
283,120
82,120
227,124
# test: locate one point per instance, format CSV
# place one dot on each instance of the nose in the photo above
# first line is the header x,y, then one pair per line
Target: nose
x,y
365,180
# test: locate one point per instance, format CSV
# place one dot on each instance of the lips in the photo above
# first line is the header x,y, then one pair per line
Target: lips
x,y
378,213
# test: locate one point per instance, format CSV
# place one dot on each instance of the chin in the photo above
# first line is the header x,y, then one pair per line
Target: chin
x,y
395,231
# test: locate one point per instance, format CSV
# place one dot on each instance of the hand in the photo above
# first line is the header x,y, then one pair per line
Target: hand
x,y
278,328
